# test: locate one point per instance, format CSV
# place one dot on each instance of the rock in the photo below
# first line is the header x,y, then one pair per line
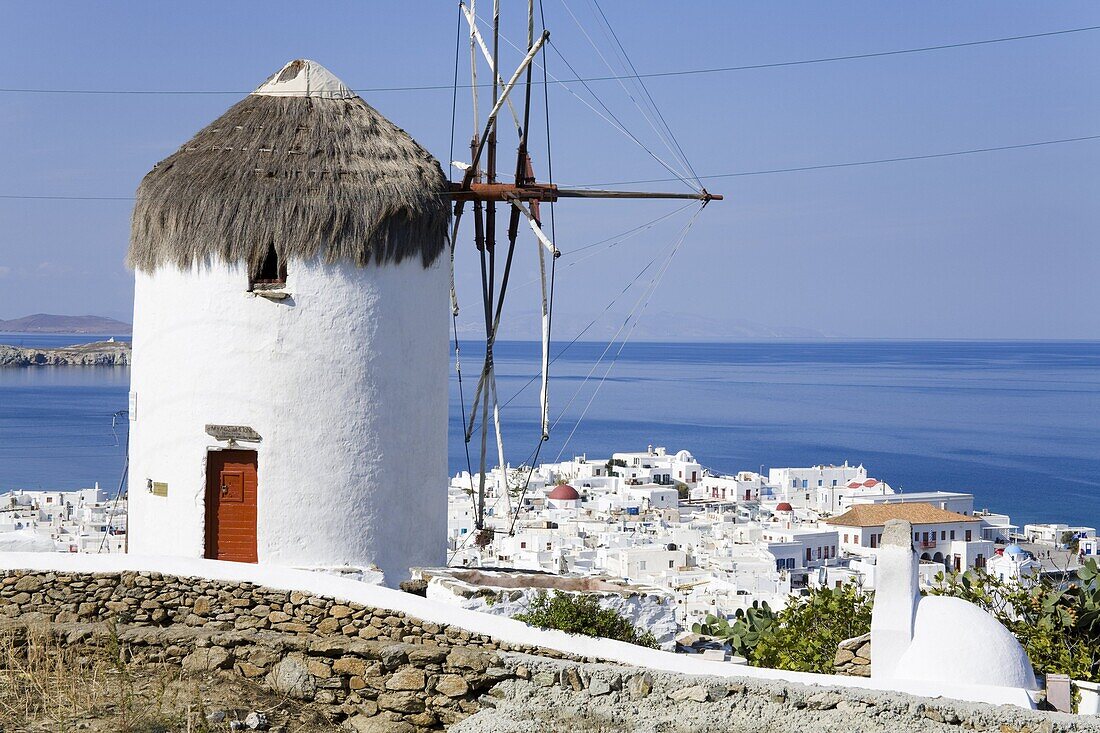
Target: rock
x,y
639,686
423,721
247,669
292,678
822,701
696,693
328,626
363,724
28,583
453,685
261,656
416,587
202,660
407,678
717,692
934,715
350,666
598,686
394,656
256,721
318,668
464,658
422,654
202,606
570,678
330,646
543,679
401,702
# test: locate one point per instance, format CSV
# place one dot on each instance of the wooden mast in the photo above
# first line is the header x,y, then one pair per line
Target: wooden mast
x,y
523,196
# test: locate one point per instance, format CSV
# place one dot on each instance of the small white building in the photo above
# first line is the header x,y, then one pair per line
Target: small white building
x,y
794,480
1015,565
951,501
1056,535
745,486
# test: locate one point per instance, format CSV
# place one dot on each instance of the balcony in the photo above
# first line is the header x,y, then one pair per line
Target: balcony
x,y
927,544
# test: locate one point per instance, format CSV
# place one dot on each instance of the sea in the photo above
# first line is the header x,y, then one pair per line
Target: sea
x,y
1015,423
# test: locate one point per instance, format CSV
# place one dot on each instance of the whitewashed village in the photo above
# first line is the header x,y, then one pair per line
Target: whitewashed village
x,y
286,551
693,543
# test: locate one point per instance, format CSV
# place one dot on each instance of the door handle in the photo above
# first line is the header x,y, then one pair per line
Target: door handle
x,y
225,490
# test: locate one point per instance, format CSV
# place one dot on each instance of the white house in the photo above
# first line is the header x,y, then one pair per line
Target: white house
x,y
950,501
1056,534
793,480
745,486
940,536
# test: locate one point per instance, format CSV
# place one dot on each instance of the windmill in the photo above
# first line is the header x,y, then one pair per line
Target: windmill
x,y
521,193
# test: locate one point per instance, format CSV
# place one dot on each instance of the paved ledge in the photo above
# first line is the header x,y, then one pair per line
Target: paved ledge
x,y
546,695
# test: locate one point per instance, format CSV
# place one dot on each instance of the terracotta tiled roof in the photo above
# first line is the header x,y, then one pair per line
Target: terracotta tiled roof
x,y
876,515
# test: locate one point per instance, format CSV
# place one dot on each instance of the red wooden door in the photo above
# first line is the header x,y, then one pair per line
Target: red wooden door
x,y
231,505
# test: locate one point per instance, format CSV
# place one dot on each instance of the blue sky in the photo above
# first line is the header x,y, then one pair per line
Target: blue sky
x,y
997,245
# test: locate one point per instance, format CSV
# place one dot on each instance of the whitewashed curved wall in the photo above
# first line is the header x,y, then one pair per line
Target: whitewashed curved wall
x,y
346,382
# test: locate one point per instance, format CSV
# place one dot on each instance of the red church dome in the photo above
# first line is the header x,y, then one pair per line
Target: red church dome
x,y
564,492
784,507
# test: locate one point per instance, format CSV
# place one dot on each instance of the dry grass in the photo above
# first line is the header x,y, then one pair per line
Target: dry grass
x,y
41,679
50,686
47,685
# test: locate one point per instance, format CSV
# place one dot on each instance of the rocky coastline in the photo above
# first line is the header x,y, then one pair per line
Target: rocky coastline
x,y
99,353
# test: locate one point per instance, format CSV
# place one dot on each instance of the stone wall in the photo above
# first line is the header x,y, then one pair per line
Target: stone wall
x,y
379,671
368,666
853,657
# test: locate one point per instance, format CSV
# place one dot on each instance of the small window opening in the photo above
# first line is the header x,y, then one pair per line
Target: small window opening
x,y
271,273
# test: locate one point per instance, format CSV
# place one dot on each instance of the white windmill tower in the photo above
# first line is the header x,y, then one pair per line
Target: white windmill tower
x,y
289,381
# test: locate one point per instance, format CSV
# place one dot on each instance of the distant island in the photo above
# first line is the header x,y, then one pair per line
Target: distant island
x,y
48,323
100,353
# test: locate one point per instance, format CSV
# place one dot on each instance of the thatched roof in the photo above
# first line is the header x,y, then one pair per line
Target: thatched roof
x,y
303,164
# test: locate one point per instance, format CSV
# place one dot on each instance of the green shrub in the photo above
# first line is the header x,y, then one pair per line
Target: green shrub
x,y
748,628
582,614
806,634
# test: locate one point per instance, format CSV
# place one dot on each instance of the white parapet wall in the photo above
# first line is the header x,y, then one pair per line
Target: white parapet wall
x,y
501,629
505,593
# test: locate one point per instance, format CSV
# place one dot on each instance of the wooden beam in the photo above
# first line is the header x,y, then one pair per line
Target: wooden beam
x,y
550,192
